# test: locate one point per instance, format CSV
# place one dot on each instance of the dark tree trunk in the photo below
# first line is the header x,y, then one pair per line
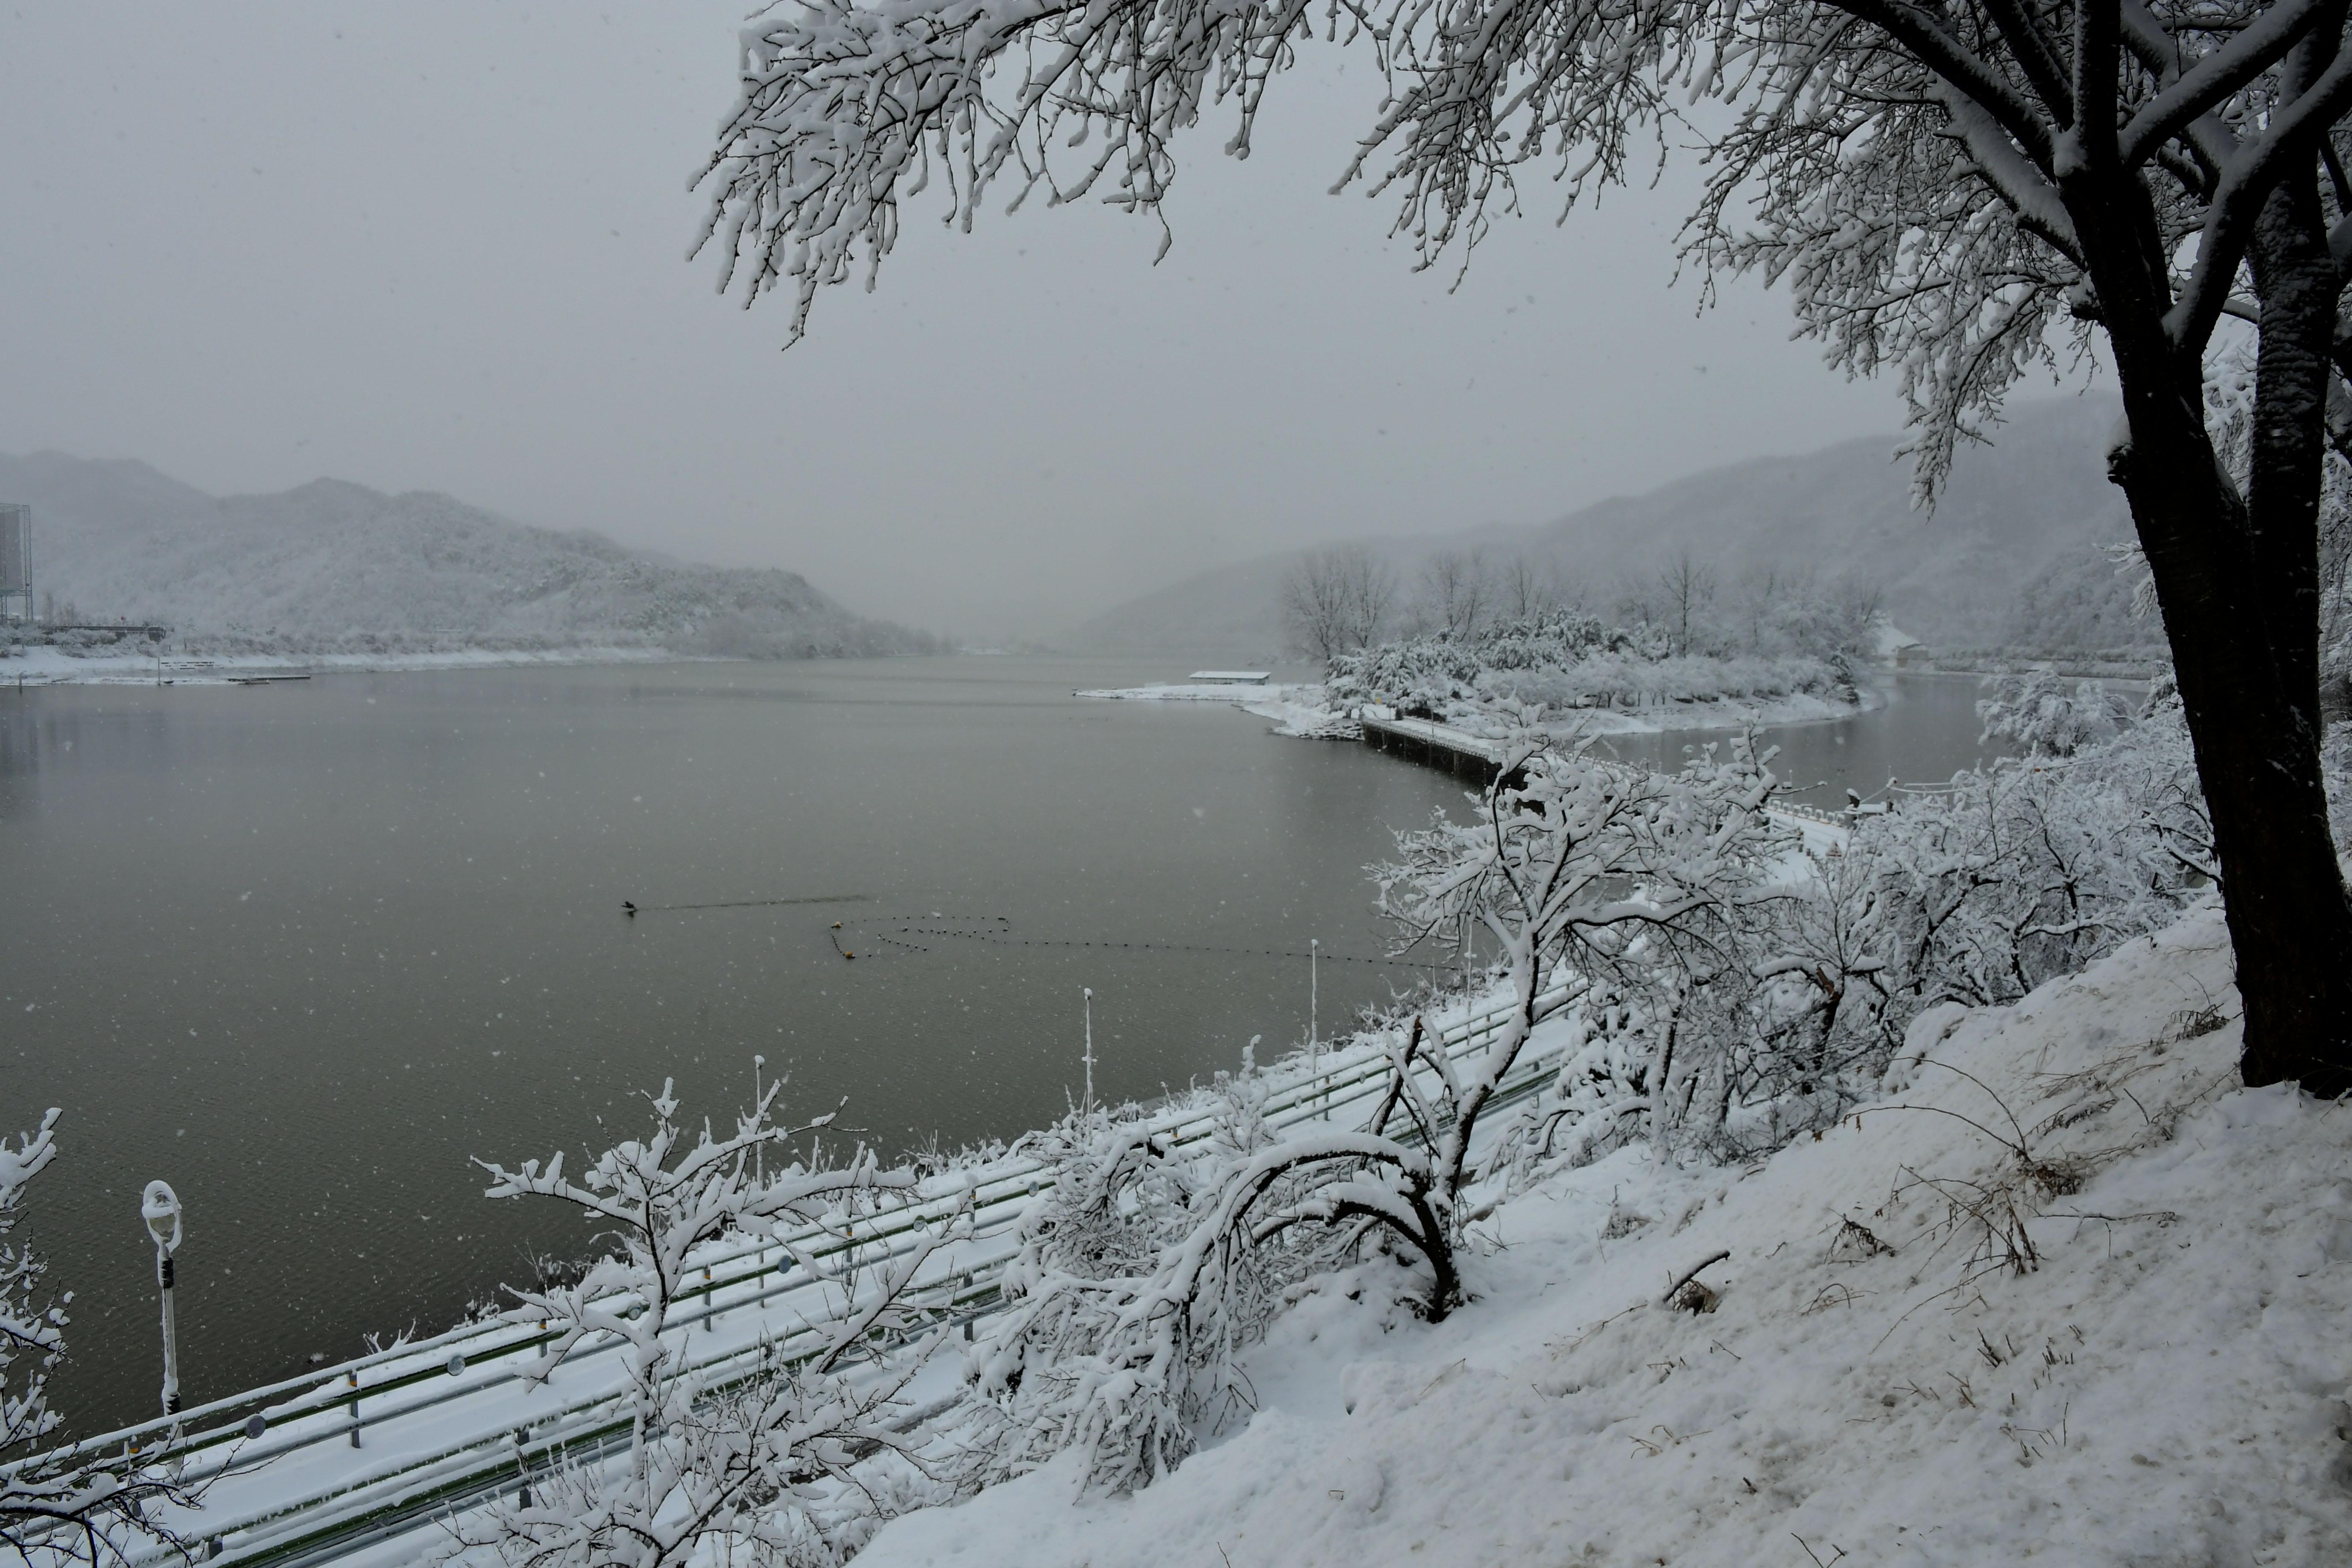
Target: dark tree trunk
x,y
2241,628
2257,757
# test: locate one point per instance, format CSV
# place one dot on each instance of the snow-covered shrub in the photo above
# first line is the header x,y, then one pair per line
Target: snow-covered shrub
x,y
2030,869
1124,1325
1145,1270
1558,664
1635,886
757,1469
2038,712
1975,893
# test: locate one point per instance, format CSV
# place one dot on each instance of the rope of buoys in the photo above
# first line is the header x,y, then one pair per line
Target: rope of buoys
x,y
995,939
629,909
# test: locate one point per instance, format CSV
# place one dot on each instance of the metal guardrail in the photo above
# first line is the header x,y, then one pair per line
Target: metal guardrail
x,y
471,1455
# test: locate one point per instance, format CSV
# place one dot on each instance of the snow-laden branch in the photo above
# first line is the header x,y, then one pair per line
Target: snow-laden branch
x,y
1919,176
758,1470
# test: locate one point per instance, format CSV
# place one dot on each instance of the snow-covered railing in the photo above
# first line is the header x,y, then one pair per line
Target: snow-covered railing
x,y
458,1418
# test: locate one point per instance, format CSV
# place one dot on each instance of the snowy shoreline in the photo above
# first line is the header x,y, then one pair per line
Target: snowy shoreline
x,y
1297,710
57,666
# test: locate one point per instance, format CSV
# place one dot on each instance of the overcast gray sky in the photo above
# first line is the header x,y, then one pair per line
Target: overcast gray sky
x,y
442,246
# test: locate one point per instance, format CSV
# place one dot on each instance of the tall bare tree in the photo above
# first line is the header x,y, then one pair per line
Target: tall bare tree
x,y
1524,589
1686,587
1337,601
1949,188
1454,592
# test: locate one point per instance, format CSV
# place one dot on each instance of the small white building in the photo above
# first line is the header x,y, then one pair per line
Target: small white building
x,y
1231,677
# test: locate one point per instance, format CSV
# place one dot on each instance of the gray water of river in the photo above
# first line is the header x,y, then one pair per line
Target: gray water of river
x,y
301,949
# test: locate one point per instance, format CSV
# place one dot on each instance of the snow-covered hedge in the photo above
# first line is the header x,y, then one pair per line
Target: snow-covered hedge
x,y
1559,663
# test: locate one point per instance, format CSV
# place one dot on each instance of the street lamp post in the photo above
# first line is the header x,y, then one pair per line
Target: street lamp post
x,y
1314,1023
760,1153
1088,993
160,1208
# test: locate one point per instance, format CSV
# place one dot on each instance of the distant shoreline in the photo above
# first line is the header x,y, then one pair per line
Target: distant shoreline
x,y
1297,710
34,666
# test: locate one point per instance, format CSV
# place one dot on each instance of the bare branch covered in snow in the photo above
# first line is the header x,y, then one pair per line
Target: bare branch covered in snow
x,y
774,1467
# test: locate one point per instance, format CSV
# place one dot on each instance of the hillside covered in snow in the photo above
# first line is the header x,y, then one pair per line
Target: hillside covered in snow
x,y
2011,557
2065,1293
333,567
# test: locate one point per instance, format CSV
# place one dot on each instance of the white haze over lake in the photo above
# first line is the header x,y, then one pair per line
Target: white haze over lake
x,y
440,247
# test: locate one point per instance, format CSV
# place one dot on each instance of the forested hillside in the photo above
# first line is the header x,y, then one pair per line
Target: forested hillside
x,y
2011,557
337,567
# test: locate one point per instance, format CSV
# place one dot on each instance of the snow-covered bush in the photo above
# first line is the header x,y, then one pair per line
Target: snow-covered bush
x,y
1123,1327
1560,663
2038,712
1974,893
756,1469
1635,886
1145,1270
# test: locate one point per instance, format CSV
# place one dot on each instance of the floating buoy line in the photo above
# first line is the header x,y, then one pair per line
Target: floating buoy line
x,y
996,931
634,910
895,932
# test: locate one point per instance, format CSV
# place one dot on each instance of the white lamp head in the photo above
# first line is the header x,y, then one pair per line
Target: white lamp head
x,y
160,1208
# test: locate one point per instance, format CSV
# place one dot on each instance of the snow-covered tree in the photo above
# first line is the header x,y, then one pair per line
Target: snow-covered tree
x,y
1625,882
1456,596
52,1512
2039,712
1525,590
1145,1270
1335,601
762,1468
1950,191
1132,1291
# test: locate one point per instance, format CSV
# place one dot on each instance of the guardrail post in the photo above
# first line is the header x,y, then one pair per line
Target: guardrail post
x,y
351,1381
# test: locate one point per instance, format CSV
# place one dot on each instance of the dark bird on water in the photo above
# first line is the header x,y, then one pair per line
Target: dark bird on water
x,y
628,908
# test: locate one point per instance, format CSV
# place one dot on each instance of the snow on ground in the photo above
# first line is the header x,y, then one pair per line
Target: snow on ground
x,y
1207,691
130,667
1299,711
2066,1296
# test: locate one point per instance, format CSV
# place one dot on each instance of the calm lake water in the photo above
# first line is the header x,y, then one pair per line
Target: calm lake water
x,y
302,950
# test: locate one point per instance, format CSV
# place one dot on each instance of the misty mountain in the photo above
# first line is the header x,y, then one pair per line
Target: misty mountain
x,y
333,567
2011,556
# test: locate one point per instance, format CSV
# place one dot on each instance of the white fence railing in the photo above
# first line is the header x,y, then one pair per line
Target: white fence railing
x,y
443,1422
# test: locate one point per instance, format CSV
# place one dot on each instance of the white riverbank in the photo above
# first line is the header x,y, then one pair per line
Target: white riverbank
x,y
1300,710
125,666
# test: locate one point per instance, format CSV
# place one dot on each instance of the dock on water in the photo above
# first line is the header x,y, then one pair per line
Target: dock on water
x,y
1470,756
1436,745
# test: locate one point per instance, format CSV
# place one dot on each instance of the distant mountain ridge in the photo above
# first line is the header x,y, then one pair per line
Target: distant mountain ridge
x,y
2011,557
331,566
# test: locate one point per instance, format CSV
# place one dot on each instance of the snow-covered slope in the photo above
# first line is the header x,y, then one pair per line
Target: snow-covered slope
x,y
2066,1296
2010,557
333,567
